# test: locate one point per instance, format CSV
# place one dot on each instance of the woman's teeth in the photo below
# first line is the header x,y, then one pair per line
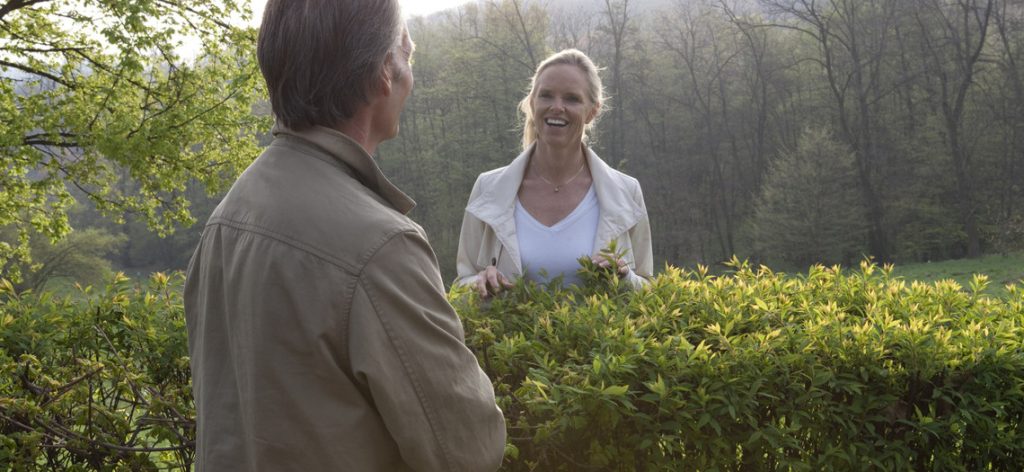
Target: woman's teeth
x,y
556,122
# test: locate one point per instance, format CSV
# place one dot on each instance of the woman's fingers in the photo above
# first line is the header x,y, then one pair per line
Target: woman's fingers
x,y
491,281
481,285
604,261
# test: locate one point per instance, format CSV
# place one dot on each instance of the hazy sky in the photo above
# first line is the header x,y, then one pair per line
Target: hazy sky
x,y
409,7
423,7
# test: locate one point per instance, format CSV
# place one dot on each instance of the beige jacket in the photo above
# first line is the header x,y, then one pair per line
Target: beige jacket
x,y
319,332
489,225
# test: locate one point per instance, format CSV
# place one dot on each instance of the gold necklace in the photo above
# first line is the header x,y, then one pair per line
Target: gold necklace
x,y
559,186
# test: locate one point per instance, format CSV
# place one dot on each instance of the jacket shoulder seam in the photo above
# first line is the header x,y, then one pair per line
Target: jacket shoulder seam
x,y
286,240
384,240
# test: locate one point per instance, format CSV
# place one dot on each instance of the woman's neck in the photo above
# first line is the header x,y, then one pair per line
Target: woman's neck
x,y
557,163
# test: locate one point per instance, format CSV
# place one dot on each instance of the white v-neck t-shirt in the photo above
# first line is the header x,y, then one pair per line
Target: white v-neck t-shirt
x,y
547,252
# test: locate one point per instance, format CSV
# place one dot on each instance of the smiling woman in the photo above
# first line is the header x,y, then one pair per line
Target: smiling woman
x,y
558,201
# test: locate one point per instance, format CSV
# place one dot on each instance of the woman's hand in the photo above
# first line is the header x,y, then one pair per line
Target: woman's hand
x,y
490,281
604,261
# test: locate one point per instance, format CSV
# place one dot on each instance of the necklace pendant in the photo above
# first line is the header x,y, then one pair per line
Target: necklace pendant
x,y
559,186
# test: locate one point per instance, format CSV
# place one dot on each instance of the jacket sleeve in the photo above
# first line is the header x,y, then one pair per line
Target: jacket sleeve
x,y
470,239
643,254
407,348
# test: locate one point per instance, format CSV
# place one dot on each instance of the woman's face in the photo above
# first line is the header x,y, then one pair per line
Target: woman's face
x,y
561,107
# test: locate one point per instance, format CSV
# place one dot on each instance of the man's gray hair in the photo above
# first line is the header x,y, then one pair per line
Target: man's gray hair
x,y
322,58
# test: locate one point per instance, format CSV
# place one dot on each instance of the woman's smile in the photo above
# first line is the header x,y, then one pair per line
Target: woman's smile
x,y
562,105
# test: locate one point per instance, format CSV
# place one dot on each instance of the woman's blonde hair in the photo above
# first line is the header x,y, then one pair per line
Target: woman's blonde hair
x,y
595,91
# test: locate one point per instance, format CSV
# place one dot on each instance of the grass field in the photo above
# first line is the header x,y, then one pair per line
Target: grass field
x,y
65,286
1000,269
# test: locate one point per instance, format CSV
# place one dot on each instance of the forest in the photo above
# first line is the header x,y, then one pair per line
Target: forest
x,y
785,132
768,135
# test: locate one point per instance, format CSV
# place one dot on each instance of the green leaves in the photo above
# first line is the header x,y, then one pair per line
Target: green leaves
x,y
826,370
97,384
615,390
753,370
96,99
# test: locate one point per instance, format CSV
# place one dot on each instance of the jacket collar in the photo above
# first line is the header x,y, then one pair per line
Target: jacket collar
x,y
345,150
496,204
497,201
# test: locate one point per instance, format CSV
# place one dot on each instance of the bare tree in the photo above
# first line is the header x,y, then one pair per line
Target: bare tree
x,y
571,28
1009,22
705,50
952,36
762,73
616,25
853,40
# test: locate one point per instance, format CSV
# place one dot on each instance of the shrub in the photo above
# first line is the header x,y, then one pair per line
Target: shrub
x,y
748,371
100,383
756,371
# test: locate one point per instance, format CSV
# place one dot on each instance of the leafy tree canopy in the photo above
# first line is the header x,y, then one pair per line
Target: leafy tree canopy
x,y
809,210
82,256
104,98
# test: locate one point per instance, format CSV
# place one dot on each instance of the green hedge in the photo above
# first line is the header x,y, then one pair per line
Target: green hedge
x,y
100,383
748,371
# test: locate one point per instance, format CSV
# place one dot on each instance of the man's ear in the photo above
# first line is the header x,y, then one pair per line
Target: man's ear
x,y
386,76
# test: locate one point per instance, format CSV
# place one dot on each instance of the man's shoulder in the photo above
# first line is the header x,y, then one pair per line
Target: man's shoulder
x,y
313,206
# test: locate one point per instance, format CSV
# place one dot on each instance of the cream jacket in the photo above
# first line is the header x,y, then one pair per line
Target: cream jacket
x,y
319,331
489,227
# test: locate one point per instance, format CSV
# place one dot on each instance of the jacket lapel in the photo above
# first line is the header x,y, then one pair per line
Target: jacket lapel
x,y
619,211
496,205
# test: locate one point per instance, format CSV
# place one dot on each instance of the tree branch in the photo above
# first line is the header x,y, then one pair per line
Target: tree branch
x,y
13,5
44,51
44,140
195,12
39,73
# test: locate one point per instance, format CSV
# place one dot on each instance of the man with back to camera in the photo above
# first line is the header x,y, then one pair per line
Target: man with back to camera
x,y
319,331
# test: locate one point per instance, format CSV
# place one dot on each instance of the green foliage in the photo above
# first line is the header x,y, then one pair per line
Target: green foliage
x,y
82,256
100,384
756,371
809,209
752,370
94,96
